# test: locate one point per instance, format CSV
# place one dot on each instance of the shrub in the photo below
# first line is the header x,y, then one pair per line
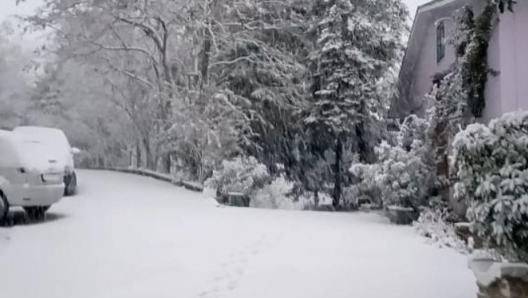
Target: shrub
x,y
404,172
275,196
404,175
492,172
242,174
432,225
368,187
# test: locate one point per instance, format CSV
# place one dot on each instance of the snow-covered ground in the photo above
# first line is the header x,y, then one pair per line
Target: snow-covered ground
x,y
125,236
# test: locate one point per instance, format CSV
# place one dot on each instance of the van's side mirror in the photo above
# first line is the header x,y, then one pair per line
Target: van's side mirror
x,y
76,150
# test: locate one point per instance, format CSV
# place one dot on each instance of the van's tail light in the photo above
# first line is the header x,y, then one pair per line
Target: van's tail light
x,y
22,170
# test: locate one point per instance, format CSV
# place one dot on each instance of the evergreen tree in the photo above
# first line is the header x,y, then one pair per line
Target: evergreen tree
x,y
356,43
262,64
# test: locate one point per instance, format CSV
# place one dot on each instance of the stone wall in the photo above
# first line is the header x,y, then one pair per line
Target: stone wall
x,y
500,280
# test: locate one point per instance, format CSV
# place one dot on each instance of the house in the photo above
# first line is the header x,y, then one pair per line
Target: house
x,y
429,53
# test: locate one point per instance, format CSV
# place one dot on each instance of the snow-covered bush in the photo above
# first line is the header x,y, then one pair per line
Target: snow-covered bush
x,y
412,128
275,196
404,172
404,175
369,184
432,225
491,164
309,201
242,174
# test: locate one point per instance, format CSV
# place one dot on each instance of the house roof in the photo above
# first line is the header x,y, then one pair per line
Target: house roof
x,y
426,15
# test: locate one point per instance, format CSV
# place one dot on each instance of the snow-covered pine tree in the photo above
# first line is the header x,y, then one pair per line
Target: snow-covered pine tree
x,y
262,64
356,43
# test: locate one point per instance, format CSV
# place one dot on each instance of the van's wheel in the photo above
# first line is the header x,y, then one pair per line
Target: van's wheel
x,y
4,207
71,187
36,213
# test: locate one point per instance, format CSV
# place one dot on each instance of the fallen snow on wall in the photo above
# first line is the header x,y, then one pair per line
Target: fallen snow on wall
x,y
487,270
126,236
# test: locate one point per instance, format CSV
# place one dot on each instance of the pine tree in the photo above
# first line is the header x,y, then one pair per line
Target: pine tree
x,y
356,43
262,65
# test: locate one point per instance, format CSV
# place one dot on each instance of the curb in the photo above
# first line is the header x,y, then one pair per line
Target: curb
x,y
192,186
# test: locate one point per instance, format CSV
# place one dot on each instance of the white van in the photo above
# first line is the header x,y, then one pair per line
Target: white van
x,y
29,177
59,148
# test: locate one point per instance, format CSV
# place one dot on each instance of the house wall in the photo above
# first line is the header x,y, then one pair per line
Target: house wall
x,y
507,53
427,65
493,87
513,39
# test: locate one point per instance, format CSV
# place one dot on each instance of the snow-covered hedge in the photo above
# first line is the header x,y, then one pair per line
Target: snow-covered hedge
x,y
491,164
241,174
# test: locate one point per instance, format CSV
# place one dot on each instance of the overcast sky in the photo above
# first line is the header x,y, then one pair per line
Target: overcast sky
x,y
9,8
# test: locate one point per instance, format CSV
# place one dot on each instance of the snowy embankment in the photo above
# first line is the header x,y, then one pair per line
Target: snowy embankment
x,y
194,186
128,236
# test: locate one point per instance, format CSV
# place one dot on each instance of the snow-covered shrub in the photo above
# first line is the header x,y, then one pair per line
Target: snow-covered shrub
x,y
404,172
412,128
491,164
322,202
403,175
369,185
242,174
432,224
275,196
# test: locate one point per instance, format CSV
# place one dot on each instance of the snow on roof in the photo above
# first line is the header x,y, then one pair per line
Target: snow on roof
x,y
433,4
53,139
40,131
23,150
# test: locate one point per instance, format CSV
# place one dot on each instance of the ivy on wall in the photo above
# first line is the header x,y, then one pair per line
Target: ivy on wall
x,y
460,92
472,49
475,67
503,4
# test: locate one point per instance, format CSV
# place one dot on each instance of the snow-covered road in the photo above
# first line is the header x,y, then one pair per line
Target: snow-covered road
x,y
125,236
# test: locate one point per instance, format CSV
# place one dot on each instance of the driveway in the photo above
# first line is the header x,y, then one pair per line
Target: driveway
x,y
125,236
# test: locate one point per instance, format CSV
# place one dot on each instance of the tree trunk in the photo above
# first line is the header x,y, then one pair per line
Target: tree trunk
x,y
362,143
440,145
148,155
338,175
166,163
130,152
100,162
205,57
138,154
363,148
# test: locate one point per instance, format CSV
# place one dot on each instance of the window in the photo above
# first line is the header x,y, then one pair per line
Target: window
x,y
440,41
